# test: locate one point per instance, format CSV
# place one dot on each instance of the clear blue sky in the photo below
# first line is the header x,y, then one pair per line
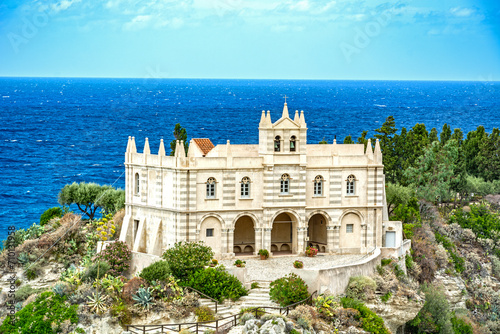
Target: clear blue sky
x,y
266,39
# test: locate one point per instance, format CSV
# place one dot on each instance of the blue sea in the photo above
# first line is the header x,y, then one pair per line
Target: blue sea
x,y
55,131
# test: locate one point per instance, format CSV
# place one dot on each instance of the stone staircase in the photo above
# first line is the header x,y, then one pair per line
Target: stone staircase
x,y
256,298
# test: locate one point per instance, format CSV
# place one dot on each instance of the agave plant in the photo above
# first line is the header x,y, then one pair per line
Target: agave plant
x,y
59,289
97,302
143,297
23,258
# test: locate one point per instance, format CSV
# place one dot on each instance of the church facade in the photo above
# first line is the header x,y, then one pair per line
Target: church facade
x,y
281,195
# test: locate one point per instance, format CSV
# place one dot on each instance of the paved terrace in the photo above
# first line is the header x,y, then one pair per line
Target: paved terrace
x,y
278,266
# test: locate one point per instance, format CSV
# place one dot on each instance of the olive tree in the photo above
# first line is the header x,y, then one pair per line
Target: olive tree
x,y
89,197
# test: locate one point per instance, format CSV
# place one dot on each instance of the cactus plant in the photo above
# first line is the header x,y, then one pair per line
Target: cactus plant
x,y
143,297
59,289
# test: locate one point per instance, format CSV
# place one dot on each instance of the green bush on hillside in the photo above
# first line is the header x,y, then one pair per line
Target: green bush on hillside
x,y
435,315
49,214
288,290
371,321
360,286
90,274
158,271
216,283
45,315
185,258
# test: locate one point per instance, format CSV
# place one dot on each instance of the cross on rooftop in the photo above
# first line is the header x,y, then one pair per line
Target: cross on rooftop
x,y
285,98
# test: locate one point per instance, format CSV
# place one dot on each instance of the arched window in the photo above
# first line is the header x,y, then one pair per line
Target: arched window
x,y
245,187
211,187
137,184
285,184
277,144
293,144
350,185
318,185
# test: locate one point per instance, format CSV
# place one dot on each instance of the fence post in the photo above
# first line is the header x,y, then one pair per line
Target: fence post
x,y
216,307
196,328
217,325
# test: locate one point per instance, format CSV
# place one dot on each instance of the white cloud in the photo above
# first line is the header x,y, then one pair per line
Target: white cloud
x,y
63,5
138,22
462,12
302,6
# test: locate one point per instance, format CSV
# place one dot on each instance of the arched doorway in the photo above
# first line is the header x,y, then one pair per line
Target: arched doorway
x,y
244,236
284,234
350,231
210,233
316,232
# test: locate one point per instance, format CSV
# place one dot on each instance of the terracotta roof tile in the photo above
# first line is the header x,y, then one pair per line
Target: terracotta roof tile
x,y
204,144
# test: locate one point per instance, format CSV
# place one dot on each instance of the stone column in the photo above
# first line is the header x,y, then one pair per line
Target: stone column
x,y
301,235
230,241
330,238
224,243
266,244
364,237
258,240
336,238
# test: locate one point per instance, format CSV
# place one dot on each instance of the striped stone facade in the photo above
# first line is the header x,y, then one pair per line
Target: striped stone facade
x,y
168,198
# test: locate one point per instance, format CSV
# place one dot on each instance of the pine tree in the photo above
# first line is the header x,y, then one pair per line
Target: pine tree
x,y
348,140
386,136
433,135
181,135
472,150
445,134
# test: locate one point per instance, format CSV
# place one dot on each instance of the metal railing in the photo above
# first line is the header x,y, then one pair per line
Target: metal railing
x,y
218,325
203,295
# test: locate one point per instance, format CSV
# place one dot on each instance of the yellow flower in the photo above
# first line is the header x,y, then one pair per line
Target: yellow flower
x,y
112,231
101,223
104,238
103,233
113,226
104,219
99,229
105,227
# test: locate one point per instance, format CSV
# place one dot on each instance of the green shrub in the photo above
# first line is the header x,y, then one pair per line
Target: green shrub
x,y
409,262
91,273
385,262
217,283
254,285
49,214
185,258
458,261
288,290
435,315
408,230
43,316
120,310
204,313
460,326
118,256
400,274
158,271
371,321
360,286
385,298
32,271
24,292
481,220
